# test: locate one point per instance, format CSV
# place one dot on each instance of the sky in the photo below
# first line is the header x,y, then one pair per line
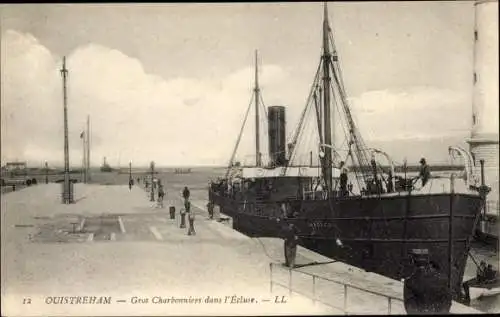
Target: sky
x,y
170,83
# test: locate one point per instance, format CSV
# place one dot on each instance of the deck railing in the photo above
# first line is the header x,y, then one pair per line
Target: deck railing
x,y
347,288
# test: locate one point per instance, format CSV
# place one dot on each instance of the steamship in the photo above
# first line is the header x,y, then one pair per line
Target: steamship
x,y
105,167
375,220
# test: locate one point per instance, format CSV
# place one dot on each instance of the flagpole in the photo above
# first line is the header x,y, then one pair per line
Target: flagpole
x,y
87,135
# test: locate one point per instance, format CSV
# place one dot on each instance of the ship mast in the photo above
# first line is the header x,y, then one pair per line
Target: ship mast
x,y
327,160
257,127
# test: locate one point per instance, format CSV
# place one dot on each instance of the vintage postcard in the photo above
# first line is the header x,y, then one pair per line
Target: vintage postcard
x,y
283,158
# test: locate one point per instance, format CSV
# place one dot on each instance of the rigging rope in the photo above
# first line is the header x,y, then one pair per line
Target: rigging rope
x,y
231,161
299,125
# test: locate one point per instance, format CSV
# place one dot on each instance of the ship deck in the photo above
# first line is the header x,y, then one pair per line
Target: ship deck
x,y
130,248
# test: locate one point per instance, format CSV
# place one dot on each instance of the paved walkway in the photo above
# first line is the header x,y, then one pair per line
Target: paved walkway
x,y
115,243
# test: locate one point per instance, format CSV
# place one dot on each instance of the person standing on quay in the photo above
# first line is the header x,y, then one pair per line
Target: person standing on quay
x,y
186,194
210,208
161,194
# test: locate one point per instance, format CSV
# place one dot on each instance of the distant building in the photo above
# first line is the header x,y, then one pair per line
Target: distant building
x,y
14,166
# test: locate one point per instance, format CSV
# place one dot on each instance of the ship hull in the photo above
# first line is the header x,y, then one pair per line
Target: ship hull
x,y
377,233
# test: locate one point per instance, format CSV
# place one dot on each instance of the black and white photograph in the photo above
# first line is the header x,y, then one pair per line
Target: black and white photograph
x,y
250,158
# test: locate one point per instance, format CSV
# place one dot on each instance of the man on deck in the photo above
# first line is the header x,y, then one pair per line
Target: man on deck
x,y
390,187
425,173
343,182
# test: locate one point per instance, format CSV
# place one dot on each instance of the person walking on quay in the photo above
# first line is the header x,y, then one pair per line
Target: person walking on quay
x,y
191,231
186,193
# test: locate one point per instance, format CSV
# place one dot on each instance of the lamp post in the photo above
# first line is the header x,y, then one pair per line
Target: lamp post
x,y
152,182
46,172
84,159
67,190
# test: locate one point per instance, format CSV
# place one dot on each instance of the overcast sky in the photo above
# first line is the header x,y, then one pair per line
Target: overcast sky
x,y
171,82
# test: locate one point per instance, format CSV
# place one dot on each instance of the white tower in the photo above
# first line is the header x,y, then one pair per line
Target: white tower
x,y
484,137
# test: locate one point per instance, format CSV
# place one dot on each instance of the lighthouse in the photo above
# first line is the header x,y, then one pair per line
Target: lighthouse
x,y
484,135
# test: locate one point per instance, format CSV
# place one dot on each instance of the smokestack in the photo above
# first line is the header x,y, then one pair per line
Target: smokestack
x,y
277,135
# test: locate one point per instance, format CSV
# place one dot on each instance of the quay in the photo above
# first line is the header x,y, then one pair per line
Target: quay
x,y
115,253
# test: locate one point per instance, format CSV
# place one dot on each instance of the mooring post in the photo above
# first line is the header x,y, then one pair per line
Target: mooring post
x,y
345,299
389,304
314,289
271,277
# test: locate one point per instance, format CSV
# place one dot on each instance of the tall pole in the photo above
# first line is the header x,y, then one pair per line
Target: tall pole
x,y
84,160
67,194
130,175
257,126
451,235
88,150
327,165
46,172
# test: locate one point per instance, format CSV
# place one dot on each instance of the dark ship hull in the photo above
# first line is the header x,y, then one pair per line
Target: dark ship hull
x,y
106,169
376,232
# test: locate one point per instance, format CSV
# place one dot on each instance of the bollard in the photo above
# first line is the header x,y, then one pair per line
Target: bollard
x,y
314,290
191,231
345,299
183,218
172,212
271,277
